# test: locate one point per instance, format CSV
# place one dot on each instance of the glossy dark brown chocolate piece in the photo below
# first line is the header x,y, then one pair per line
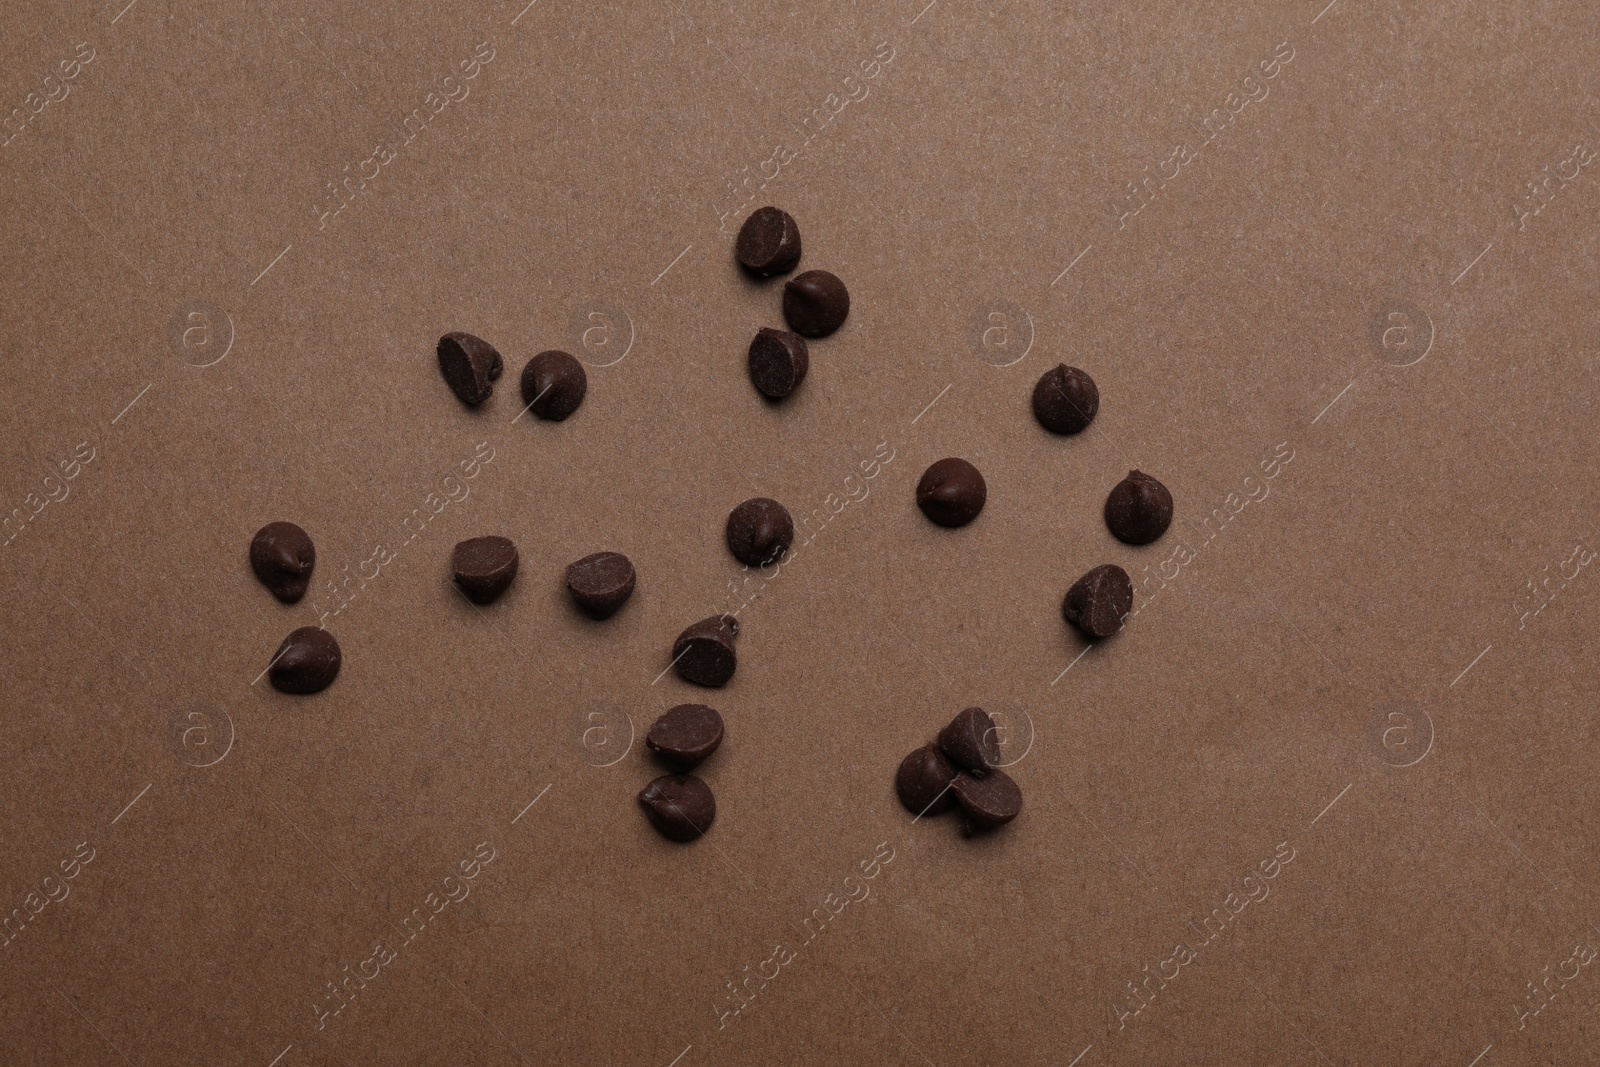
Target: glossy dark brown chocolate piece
x,y
952,492
768,243
307,662
815,303
759,531
601,583
470,366
703,653
484,567
1065,399
778,362
685,736
1099,601
282,557
972,742
554,384
988,802
1138,509
680,806
923,782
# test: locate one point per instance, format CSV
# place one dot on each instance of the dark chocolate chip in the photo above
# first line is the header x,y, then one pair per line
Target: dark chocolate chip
x,y
815,303
972,741
1099,601
484,567
679,806
951,492
282,556
1138,509
1065,400
923,782
469,365
990,801
769,242
778,362
759,531
601,583
554,384
703,653
685,736
307,661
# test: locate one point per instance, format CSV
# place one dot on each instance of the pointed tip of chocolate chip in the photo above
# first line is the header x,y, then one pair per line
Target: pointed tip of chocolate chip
x,y
1098,602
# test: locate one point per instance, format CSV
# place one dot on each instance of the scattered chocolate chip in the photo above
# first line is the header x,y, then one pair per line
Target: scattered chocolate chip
x,y
923,782
686,735
769,242
307,661
972,742
1065,400
704,654
1099,601
778,362
601,583
1139,509
553,385
815,303
679,806
484,567
282,556
951,492
759,531
990,801
469,365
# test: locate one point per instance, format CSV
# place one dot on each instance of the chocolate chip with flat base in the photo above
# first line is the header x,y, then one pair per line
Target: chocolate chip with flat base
x,y
484,567
282,556
307,662
680,806
988,802
601,583
815,303
768,243
1099,601
685,735
554,384
470,366
1138,509
972,741
703,653
778,362
923,782
759,531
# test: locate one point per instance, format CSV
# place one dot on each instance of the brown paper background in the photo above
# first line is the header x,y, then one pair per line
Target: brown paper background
x,y
588,171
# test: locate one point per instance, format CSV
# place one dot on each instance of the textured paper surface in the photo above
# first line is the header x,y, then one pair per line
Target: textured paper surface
x,y
1329,799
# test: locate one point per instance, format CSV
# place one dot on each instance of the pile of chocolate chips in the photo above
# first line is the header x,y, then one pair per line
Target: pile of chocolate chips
x,y
282,557
680,805
815,303
961,767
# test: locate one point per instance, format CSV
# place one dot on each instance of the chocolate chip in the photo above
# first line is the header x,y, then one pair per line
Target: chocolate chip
x,y
679,806
307,661
484,567
769,242
971,741
553,385
1065,400
686,735
778,362
759,531
951,492
923,782
703,653
990,801
601,583
1139,509
469,365
282,556
815,303
1099,601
